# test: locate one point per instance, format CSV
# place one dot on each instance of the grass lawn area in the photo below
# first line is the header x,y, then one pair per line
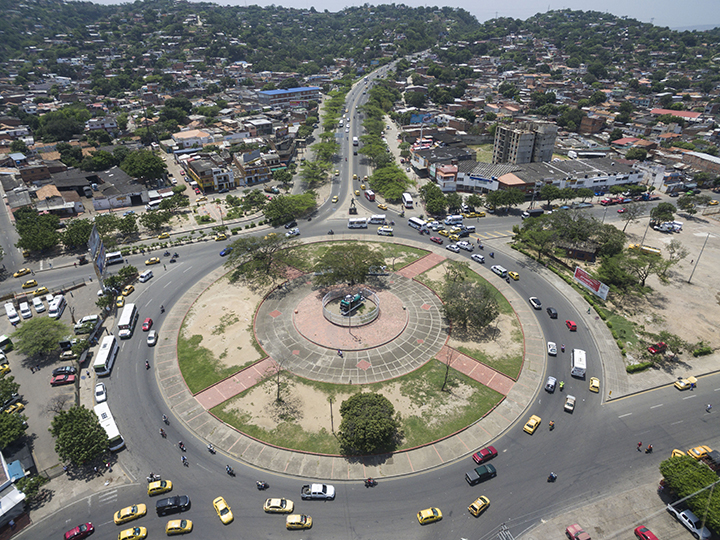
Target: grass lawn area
x,y
483,152
306,255
438,413
198,365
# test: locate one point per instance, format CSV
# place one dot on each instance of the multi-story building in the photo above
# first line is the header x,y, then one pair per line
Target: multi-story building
x,y
253,168
210,174
292,97
524,143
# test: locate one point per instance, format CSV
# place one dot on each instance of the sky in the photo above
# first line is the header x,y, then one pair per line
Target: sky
x,y
676,14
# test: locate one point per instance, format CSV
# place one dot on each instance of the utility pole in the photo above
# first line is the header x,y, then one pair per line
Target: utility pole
x,y
698,259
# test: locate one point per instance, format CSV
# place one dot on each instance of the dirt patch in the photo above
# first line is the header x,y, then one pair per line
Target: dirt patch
x,y
223,315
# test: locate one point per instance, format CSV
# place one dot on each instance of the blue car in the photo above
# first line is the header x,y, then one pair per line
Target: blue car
x,y
225,251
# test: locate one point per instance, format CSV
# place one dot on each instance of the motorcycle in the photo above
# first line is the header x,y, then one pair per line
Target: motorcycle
x,y
262,485
147,364
166,254
211,448
166,420
229,470
562,385
153,478
370,482
331,232
175,255
552,477
552,425
562,347
492,255
181,446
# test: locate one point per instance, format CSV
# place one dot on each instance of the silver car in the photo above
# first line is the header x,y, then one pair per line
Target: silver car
x,y
550,384
152,338
453,248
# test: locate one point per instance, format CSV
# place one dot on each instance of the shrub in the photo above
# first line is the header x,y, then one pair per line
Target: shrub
x,y
702,350
642,366
609,324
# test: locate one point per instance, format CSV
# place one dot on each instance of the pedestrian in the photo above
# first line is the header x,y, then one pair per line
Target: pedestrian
x,y
127,262
33,272
639,446
88,373
692,386
50,264
340,353
37,368
692,261
95,469
708,408
75,265
65,468
32,369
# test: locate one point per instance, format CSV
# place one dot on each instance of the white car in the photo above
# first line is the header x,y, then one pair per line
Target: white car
x,y
293,232
453,248
38,304
478,258
433,224
550,384
467,246
152,338
552,348
535,302
100,393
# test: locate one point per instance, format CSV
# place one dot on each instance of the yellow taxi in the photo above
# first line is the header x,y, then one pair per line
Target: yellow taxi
x,y
443,232
17,407
479,214
159,486
163,236
365,178
514,275
455,230
136,533
4,370
298,521
354,176
22,272
594,384
357,192
40,291
178,526
223,510
684,384
29,284
382,206
699,452
120,301
201,199
278,506
128,290
269,236
429,515
479,505
454,238
220,236
677,453
129,513
532,424
362,186
337,173
713,203
335,199
152,260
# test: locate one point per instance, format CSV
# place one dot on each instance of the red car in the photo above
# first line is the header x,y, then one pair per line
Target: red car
x,y
436,239
659,347
484,454
147,325
85,530
65,378
576,532
571,326
622,210
643,533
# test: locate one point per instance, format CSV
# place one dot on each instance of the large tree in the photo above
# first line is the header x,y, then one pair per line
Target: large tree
x,y
466,303
77,233
284,208
79,437
143,164
369,424
12,427
39,336
259,261
346,263
37,232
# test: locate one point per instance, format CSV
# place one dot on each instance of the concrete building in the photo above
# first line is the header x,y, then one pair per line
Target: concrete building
x,y
292,97
524,143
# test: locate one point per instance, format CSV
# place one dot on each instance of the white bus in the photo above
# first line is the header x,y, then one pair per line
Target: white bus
x,y
56,307
127,321
106,356
417,223
377,219
153,205
407,200
114,258
357,223
108,424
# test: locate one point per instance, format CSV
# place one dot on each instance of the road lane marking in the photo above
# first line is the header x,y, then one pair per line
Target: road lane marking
x,y
188,269
166,286
657,406
690,397
624,415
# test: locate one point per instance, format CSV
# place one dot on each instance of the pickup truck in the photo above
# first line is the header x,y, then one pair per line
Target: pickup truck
x,y
691,522
479,474
317,491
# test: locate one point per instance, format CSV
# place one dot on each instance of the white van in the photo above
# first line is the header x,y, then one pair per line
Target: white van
x,y
145,276
377,219
469,228
385,231
499,270
578,363
12,313
25,310
57,306
453,220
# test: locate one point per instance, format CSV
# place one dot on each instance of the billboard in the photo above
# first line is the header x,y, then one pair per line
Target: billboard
x,y
593,285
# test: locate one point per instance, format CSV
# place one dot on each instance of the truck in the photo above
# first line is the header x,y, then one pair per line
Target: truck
x,y
479,474
271,189
578,365
645,249
533,212
317,491
690,521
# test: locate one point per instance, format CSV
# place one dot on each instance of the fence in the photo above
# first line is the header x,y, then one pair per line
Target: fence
x,y
352,319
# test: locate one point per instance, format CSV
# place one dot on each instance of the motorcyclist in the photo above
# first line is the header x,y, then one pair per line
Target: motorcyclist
x,y
147,364
562,385
562,347
162,309
552,424
162,432
165,418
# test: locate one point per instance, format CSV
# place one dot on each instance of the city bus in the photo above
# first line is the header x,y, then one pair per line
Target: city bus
x,y
407,200
107,422
114,258
106,356
357,223
153,205
127,321
417,223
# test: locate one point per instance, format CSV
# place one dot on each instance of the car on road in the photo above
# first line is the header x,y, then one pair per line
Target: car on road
x,y
684,384
550,384
532,424
159,486
22,272
40,291
120,301
29,284
436,239
293,232
147,324
64,369
699,452
479,505
478,258
535,302
129,513
81,531
622,210
278,506
337,172
220,237
362,186
594,384
163,236
429,515
552,312
443,232
484,454
298,521
128,290
576,532
224,190
291,224
552,348
204,198
514,275
152,260
152,338
100,393
335,198
453,247
223,510
67,355
226,251
357,192
59,380
178,526
467,246
135,533
571,326
643,533
569,404
659,347
382,206
177,503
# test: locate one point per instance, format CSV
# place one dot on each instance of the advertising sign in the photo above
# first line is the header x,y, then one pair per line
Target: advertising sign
x,y
593,285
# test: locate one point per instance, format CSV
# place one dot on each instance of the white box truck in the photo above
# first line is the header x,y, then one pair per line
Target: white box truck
x,y
578,365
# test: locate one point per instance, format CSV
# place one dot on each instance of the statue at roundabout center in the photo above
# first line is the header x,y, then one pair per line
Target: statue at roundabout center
x,y
357,307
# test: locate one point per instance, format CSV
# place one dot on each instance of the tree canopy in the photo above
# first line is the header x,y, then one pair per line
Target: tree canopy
x,y
39,336
259,261
143,164
346,263
79,437
369,424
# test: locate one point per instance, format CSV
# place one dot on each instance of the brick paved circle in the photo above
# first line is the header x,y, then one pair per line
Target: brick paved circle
x,y
291,329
